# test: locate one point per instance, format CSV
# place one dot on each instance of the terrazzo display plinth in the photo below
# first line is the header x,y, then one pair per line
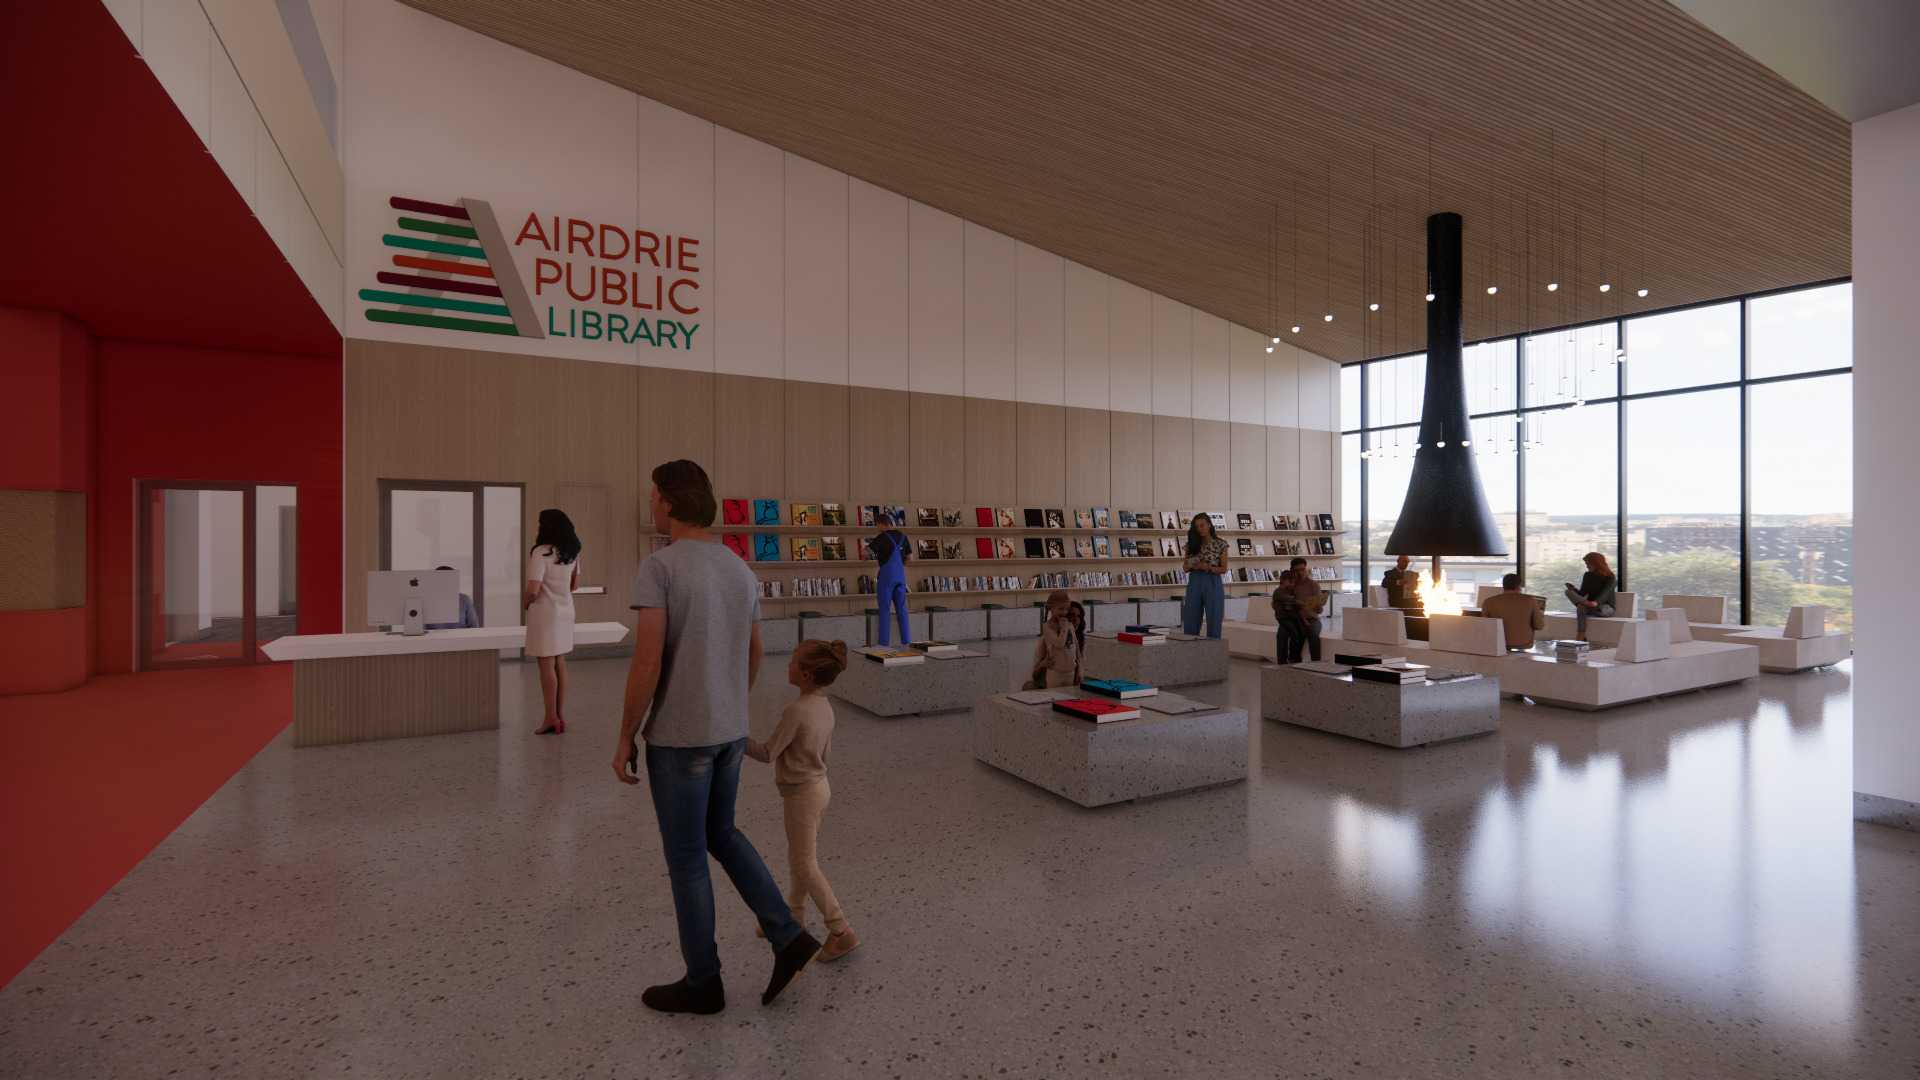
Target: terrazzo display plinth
x,y
851,629
1097,764
1160,613
934,685
1411,714
1112,617
1177,663
1013,622
779,635
966,624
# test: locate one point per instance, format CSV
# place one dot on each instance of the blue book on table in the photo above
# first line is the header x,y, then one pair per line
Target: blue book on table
x,y
1118,688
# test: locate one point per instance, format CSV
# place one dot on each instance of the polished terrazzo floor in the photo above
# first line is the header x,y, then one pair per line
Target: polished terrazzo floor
x,y
1675,890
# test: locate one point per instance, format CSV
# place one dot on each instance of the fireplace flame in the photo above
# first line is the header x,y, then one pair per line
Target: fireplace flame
x,y
1436,596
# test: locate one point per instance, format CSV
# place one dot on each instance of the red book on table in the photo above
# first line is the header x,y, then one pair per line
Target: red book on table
x,y
1141,639
1097,711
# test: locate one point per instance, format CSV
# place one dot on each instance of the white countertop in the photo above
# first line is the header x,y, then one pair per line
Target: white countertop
x,y
327,646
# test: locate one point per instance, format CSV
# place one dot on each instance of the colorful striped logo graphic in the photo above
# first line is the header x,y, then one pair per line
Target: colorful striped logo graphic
x,y
452,271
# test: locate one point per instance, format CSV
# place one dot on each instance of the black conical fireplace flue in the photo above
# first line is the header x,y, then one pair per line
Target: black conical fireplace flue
x,y
1445,512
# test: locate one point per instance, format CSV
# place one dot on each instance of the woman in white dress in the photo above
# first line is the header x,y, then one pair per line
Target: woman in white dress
x,y
553,569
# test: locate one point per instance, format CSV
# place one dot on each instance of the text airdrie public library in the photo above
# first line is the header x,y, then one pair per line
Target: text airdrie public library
x,y
591,268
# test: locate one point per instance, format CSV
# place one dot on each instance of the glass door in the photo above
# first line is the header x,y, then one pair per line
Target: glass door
x,y
209,593
470,527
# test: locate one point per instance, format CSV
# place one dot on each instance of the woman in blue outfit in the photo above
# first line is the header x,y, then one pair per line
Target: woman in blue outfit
x,y
1206,567
890,584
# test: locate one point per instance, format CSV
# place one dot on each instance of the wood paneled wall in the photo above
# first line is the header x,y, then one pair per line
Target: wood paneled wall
x,y
570,428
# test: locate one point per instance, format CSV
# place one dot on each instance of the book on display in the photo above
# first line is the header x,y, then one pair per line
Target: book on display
x,y
736,512
738,544
928,517
1141,639
1102,548
1141,628
1435,674
1244,546
934,648
1006,518
869,516
833,513
1279,523
1036,548
983,516
1174,705
766,547
1363,660
1082,547
1143,519
1124,689
806,513
1083,519
833,549
1005,549
1035,517
1099,712
1126,519
1245,521
893,514
926,549
886,657
1400,674
1056,519
1169,548
806,549
1100,517
766,511
951,549
1170,519
1218,518
1056,547
952,518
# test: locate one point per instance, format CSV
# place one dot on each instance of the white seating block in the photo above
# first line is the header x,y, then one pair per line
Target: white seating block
x,y
1624,604
1676,620
1699,609
1380,626
1644,640
1467,634
1377,596
1807,621
1481,592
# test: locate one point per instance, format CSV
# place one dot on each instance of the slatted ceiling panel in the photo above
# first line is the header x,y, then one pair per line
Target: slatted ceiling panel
x,y
1151,139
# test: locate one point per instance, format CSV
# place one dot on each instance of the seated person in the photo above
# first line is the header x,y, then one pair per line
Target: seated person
x,y
468,617
1402,585
1523,615
1597,592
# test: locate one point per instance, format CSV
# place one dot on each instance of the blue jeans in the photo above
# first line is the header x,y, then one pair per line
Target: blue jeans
x,y
693,791
1205,595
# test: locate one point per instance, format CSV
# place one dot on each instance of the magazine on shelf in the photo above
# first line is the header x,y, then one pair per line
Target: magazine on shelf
x,y
1007,518
1004,548
887,657
833,549
952,518
1245,521
1082,547
1099,712
1279,523
983,517
983,547
1056,547
1056,519
1100,517
951,549
893,514
766,511
1143,519
1034,517
927,517
1083,519
1169,547
926,549
1278,547
738,544
806,549
1036,548
1244,547
766,547
736,512
1126,519
1102,548
869,516
1218,518
833,513
1170,519
806,513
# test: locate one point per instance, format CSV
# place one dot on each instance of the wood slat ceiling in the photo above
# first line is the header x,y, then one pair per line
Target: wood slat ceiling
x,y
1158,141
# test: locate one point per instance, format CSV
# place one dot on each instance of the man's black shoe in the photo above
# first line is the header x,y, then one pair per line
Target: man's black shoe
x,y
788,963
683,997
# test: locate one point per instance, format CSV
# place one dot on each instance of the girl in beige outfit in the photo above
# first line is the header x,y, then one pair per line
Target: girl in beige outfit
x,y
798,752
1056,659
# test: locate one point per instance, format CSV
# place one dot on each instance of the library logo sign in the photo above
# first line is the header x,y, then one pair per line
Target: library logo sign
x,y
454,268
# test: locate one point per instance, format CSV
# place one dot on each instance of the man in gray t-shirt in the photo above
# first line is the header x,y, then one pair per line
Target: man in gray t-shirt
x,y
713,602
696,651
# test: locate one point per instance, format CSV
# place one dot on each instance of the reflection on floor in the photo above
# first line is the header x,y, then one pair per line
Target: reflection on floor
x,y
222,639
1672,890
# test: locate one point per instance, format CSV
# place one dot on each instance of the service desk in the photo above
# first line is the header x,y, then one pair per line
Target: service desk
x,y
361,687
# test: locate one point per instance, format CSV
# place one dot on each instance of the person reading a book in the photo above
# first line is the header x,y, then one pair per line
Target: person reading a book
x,y
1206,567
1056,659
696,653
1596,595
1523,615
890,550
1307,599
797,750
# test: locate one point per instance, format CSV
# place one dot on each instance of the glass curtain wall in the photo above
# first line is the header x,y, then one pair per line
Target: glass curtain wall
x,y
1703,450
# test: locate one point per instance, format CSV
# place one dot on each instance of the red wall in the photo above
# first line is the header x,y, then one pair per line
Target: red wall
x,y
169,412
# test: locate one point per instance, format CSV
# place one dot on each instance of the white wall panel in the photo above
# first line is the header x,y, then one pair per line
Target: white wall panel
x,y
1085,306
1210,367
816,272
1318,399
877,260
232,125
673,195
128,14
748,244
1283,389
1130,346
991,369
1040,331
178,46
936,313
1172,358
1247,379
276,200
330,17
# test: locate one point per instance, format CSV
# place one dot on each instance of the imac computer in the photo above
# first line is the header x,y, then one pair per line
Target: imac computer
x,y
410,599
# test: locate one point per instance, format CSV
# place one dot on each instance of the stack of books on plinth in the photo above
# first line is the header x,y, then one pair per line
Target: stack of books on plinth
x,y
1142,635
886,657
1122,689
1570,651
935,648
1095,710
1400,673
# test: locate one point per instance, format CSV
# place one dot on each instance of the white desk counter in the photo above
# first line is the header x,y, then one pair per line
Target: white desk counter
x,y
361,687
